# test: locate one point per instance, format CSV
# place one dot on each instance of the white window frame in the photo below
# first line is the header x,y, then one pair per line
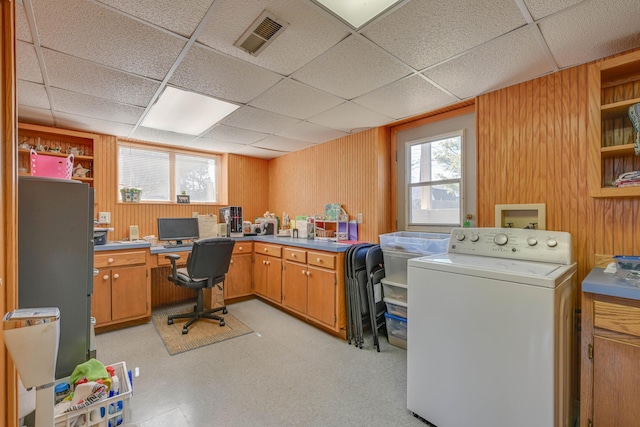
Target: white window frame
x,y
460,181
172,153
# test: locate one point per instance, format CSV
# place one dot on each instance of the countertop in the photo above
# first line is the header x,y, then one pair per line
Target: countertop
x,y
117,245
599,282
319,245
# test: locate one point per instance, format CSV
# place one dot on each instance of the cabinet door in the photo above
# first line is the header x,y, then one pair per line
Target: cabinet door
x,y
274,279
616,383
294,286
321,285
101,297
238,280
129,292
260,274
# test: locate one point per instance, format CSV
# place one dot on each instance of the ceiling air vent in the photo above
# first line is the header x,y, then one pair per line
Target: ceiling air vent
x,y
261,33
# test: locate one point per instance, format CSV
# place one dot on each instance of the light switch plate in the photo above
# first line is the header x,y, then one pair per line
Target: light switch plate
x,y
360,218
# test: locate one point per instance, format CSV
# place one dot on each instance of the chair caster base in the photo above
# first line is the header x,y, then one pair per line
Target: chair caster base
x,y
170,322
225,311
185,331
222,323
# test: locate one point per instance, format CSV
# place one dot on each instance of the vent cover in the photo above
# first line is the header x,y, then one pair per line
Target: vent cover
x,y
261,33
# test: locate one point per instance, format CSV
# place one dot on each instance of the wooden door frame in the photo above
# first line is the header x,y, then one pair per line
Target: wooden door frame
x,y
8,208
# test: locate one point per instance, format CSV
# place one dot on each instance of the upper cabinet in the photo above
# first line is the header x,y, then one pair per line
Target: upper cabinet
x,y
614,85
57,143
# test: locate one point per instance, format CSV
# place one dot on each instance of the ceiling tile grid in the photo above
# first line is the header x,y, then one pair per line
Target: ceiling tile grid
x,y
102,63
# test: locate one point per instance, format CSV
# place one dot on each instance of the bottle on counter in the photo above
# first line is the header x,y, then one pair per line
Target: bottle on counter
x,y
61,392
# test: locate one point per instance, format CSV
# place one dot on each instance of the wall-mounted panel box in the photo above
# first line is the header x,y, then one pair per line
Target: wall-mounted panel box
x,y
521,216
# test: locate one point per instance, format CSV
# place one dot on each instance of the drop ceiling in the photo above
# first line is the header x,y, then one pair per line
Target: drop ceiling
x,y
99,65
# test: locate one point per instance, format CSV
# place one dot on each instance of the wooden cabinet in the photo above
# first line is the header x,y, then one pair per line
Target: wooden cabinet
x,y
610,372
238,282
121,289
614,85
267,271
57,143
310,285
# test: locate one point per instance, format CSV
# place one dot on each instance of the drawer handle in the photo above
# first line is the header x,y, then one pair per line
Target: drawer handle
x,y
293,254
231,262
318,259
264,262
308,273
266,249
303,273
115,276
268,262
240,248
105,277
110,260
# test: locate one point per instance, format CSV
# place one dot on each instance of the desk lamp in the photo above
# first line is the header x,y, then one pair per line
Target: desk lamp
x,y
31,336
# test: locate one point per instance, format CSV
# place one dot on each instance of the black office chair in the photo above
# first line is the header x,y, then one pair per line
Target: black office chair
x,y
207,266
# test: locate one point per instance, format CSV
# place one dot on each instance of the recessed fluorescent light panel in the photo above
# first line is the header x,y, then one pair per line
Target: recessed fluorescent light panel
x,y
186,112
357,12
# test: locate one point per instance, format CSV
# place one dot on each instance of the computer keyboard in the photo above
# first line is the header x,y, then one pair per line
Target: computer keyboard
x,y
178,245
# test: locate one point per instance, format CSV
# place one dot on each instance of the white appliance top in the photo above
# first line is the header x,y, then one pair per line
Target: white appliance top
x,y
534,257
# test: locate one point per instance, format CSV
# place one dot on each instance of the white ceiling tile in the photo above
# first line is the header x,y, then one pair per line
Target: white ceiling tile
x,y
280,143
259,153
541,8
234,135
592,30
91,106
305,131
23,32
78,75
309,34
27,65
38,116
220,76
217,146
32,94
351,69
164,137
72,121
423,33
513,58
90,31
295,99
350,116
258,120
180,17
405,98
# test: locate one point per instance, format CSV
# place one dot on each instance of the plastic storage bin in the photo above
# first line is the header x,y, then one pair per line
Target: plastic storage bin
x,y
396,308
394,291
396,330
395,265
398,248
51,166
114,411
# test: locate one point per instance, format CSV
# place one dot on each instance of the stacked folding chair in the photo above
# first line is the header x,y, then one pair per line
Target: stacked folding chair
x,y
356,297
375,273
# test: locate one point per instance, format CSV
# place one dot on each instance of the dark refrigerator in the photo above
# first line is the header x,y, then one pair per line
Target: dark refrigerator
x,y
55,259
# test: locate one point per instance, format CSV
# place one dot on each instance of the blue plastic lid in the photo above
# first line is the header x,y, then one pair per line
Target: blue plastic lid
x,y
394,317
61,388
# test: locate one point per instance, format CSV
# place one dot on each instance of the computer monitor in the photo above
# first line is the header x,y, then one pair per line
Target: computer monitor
x,y
178,229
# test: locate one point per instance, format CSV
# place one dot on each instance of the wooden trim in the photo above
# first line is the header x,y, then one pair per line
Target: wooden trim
x,y
454,111
9,210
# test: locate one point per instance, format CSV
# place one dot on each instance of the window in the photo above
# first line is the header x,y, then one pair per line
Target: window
x,y
435,180
162,174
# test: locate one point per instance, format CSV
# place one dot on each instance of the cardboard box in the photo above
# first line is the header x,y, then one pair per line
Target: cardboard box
x,y
213,297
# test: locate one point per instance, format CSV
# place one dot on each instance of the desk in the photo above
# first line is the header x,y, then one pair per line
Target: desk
x,y
316,295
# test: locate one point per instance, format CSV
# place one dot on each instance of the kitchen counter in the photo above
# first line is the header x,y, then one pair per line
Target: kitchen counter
x,y
601,283
320,245
119,245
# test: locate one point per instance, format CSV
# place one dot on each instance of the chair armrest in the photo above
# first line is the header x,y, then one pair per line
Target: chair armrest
x,y
174,269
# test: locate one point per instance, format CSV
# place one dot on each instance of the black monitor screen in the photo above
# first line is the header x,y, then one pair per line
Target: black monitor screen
x,y
177,229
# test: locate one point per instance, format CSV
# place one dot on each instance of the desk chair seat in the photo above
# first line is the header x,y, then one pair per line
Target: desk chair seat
x,y
207,266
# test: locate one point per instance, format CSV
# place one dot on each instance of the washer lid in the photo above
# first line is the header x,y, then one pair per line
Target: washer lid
x,y
526,272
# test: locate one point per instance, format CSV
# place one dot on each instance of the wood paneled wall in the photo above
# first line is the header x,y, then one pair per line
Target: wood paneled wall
x,y
532,148
248,186
353,170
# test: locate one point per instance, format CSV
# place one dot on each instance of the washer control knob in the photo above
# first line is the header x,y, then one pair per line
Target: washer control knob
x,y
500,239
474,237
532,241
460,237
552,243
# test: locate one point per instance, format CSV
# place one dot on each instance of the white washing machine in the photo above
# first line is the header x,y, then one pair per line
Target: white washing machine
x,y
490,335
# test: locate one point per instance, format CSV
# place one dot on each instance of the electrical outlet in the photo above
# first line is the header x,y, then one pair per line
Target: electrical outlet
x,y
194,214
104,217
360,218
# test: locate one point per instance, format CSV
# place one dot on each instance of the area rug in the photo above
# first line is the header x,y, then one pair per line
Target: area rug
x,y
202,333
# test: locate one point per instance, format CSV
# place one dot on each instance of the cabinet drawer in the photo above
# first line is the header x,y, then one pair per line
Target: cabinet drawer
x,y
321,260
271,250
113,259
617,317
163,260
242,248
295,254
